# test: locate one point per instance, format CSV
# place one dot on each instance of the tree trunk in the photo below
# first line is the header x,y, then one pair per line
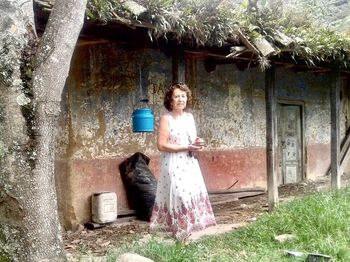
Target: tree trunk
x,y
29,226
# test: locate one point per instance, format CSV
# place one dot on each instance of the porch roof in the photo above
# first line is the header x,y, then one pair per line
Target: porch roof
x,y
223,31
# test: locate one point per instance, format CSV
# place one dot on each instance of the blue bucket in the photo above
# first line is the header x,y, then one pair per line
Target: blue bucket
x,y
143,120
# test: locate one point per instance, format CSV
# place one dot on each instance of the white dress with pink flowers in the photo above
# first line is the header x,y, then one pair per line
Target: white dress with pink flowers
x,y
182,204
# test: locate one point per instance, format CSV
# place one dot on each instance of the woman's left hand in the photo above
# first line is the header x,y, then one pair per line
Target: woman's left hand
x,y
194,147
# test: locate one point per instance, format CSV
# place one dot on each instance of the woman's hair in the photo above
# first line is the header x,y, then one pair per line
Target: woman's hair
x,y
169,93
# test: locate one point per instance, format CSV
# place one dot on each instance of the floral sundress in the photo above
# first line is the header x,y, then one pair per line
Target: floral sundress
x,y
182,204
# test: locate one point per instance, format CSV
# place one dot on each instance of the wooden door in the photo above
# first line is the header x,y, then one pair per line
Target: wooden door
x,y
290,144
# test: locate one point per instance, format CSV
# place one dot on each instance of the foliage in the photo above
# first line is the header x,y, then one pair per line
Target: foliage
x,y
323,45
204,22
213,22
105,10
5,252
318,221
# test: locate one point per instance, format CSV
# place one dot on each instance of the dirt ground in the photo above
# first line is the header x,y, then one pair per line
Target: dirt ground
x,y
234,208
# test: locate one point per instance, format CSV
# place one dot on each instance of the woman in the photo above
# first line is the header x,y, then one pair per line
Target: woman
x,y
182,204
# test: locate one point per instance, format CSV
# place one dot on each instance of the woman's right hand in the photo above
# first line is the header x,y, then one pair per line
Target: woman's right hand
x,y
199,142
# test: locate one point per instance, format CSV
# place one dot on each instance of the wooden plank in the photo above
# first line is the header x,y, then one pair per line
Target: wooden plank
x,y
344,151
217,199
175,67
335,127
125,212
178,67
246,42
271,138
344,147
93,225
125,219
239,190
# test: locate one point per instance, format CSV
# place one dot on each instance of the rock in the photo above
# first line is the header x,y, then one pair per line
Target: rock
x,y
214,230
128,257
285,237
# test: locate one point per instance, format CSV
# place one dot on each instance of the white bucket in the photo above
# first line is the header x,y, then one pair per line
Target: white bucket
x,y
104,207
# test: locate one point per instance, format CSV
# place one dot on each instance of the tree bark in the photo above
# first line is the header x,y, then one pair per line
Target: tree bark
x,y
29,225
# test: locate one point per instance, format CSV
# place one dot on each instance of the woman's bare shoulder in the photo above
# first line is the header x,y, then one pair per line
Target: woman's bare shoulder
x,y
165,116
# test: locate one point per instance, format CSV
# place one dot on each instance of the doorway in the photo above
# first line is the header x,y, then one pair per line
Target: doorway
x,y
290,142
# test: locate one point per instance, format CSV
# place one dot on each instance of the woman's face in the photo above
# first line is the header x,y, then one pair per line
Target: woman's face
x,y
178,99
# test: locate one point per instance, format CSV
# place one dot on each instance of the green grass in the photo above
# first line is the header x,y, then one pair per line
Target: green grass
x,y
320,223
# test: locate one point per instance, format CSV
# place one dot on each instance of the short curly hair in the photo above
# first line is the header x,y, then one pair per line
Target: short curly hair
x,y
169,93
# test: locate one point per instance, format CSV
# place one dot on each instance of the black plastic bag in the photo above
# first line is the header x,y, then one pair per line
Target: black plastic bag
x,y
140,184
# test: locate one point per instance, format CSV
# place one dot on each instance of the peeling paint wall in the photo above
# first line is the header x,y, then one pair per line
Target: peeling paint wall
x,y
105,84
230,110
231,104
103,88
314,91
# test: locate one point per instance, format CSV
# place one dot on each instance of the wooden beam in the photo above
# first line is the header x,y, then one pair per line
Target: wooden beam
x,y
344,147
246,42
178,67
271,137
344,151
335,127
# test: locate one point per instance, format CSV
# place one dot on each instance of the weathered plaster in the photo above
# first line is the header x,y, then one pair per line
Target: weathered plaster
x,y
232,107
318,160
313,90
95,130
101,108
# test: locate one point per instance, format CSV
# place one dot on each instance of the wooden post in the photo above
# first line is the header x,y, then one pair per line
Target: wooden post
x,y
335,127
271,137
178,67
